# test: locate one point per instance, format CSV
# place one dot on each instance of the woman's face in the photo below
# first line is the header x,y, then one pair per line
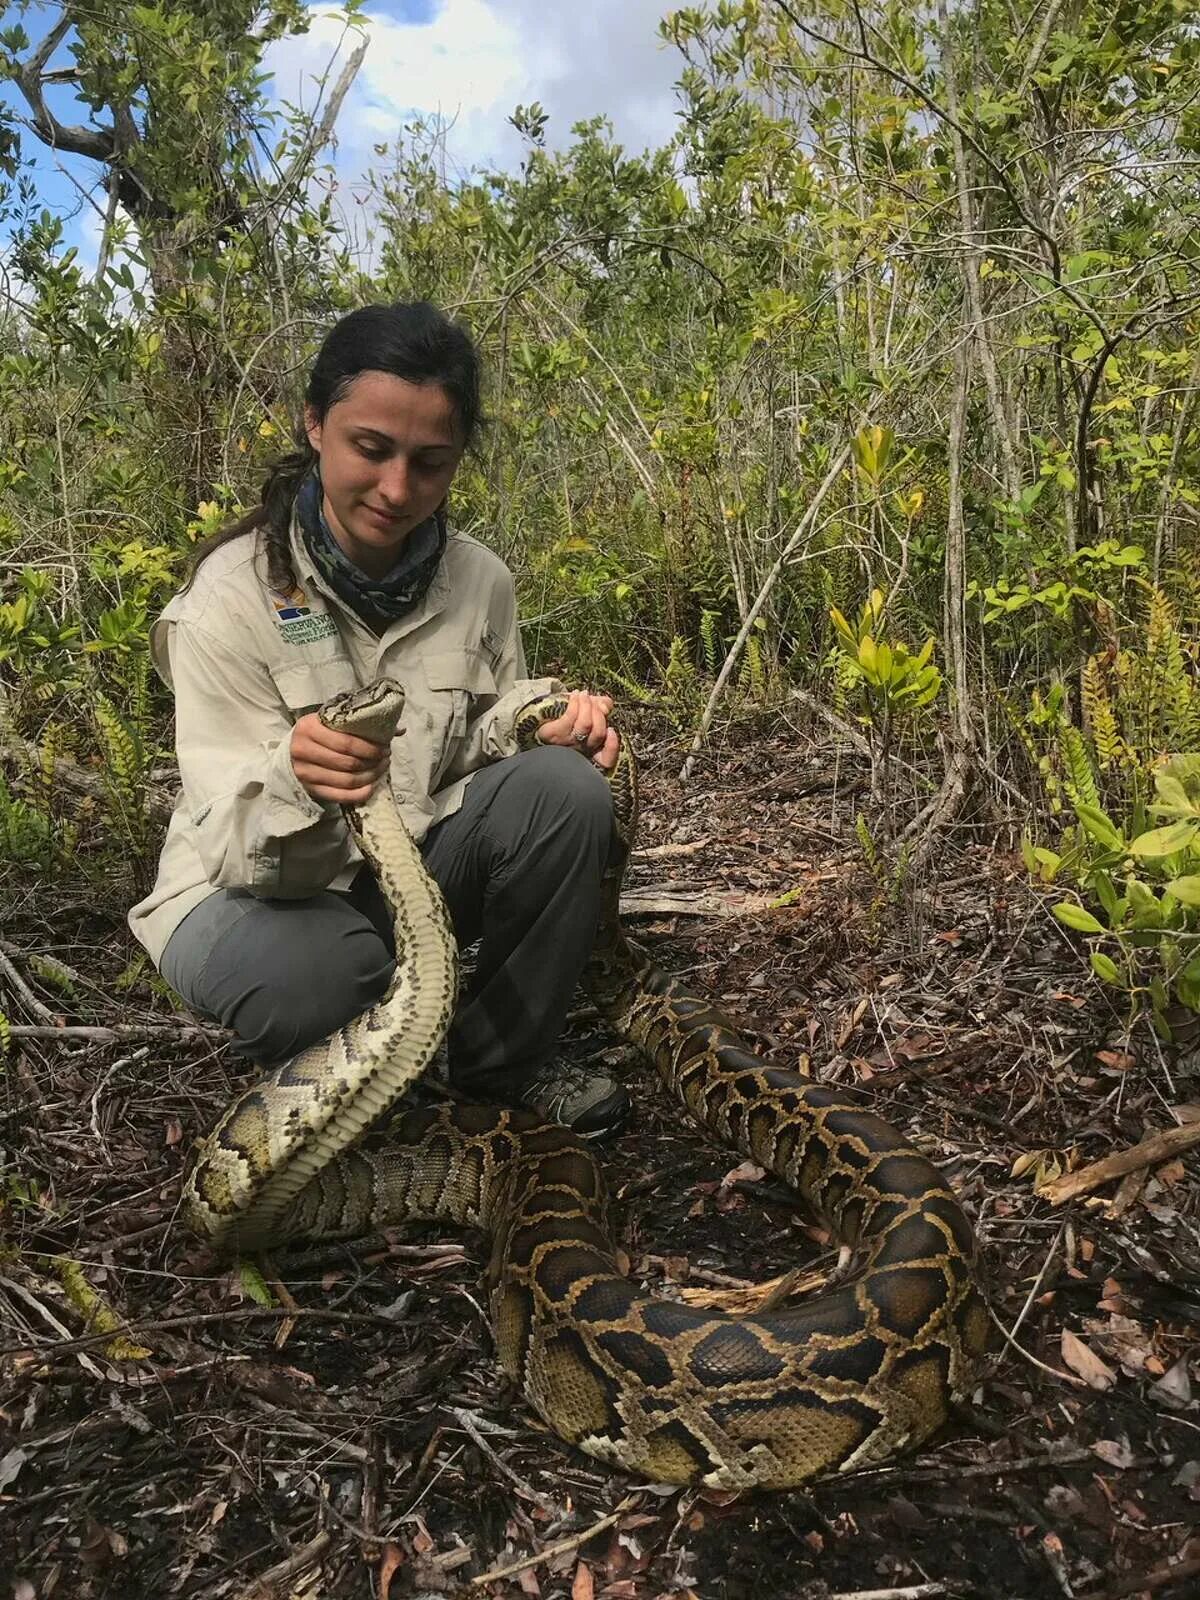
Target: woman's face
x,y
388,450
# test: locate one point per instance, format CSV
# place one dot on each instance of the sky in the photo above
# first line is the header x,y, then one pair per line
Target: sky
x,y
468,62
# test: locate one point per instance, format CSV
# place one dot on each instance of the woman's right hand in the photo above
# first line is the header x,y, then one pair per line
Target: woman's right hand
x,y
335,766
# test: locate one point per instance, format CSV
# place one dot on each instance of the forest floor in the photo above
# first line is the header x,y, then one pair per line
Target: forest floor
x,y
364,1444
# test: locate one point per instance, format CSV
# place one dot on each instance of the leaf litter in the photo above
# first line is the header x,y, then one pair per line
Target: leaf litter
x,y
361,1440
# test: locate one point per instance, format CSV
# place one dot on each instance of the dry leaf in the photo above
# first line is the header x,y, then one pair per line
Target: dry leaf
x,y
393,1560
1115,1451
1116,1060
10,1466
1085,1363
746,1172
93,1546
583,1587
1175,1389
1026,1162
528,1582
851,1022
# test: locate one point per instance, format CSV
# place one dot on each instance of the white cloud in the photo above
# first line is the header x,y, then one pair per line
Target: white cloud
x,y
477,59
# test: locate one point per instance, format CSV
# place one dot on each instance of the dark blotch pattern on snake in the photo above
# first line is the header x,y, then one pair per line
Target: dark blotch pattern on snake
x,y
675,1393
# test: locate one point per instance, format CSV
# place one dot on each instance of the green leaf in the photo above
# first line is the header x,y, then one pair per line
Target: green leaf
x,y
1106,892
1099,827
1186,890
1164,841
1105,967
1073,916
1174,795
845,631
1141,898
254,1285
1161,1026
1048,863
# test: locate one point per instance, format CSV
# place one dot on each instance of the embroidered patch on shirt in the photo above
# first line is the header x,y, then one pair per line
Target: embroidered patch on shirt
x,y
296,620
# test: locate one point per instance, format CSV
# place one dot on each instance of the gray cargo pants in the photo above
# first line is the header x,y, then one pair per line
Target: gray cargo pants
x,y
520,865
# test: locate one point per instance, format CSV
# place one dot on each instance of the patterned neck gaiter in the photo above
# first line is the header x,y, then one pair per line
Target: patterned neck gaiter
x,y
374,599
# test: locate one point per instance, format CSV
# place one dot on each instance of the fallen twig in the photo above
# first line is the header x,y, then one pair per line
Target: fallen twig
x,y
184,1032
23,992
1147,1582
1053,1372
989,1469
558,1548
646,903
915,1591
840,726
662,852
1148,1153
41,1352
83,781
266,1586
467,1421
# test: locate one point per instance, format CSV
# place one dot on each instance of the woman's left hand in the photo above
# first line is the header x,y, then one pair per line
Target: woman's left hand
x,y
584,724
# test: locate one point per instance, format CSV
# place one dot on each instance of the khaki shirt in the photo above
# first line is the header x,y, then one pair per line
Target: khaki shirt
x,y
245,663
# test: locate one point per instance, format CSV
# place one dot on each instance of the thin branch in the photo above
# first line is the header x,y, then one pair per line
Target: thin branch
x,y
100,144
760,600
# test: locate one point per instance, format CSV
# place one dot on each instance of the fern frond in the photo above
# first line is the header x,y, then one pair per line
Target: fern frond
x,y
866,841
1099,716
753,675
26,832
710,645
1079,775
125,761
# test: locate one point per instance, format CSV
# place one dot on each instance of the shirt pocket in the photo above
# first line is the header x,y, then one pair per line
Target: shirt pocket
x,y
455,679
308,684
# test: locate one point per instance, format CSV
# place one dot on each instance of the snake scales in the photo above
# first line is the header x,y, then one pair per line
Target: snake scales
x,y
677,1393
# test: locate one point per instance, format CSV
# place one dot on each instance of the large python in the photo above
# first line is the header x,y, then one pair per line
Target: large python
x,y
676,1393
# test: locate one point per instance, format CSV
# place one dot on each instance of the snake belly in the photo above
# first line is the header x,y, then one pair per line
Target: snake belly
x,y
675,1393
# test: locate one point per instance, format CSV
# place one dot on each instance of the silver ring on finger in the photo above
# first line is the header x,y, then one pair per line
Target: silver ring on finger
x,y
580,736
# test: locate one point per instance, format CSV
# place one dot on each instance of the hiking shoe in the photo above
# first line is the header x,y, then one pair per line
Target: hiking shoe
x,y
590,1103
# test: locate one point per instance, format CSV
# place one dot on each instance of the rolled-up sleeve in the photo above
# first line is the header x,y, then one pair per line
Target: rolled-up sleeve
x,y
254,824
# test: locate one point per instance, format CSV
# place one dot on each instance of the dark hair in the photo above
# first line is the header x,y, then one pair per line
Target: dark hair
x,y
411,340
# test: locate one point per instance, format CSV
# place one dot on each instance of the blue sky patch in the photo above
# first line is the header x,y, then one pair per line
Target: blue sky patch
x,y
415,12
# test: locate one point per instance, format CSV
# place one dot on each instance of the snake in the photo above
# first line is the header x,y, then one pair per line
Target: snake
x,y
677,1393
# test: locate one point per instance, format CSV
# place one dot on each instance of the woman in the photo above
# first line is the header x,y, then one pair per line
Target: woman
x,y
264,915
